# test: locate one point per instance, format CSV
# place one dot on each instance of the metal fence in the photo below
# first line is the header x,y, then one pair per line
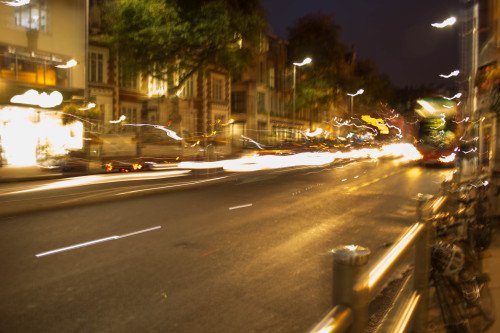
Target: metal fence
x,y
356,283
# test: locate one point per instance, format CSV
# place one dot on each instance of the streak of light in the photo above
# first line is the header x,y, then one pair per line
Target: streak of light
x,y
449,21
16,3
457,95
97,241
103,179
454,73
122,118
68,64
241,206
169,132
171,186
252,141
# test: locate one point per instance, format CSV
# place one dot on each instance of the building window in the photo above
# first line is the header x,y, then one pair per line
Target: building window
x,y
188,88
32,16
261,103
96,67
129,81
238,102
31,69
217,89
271,77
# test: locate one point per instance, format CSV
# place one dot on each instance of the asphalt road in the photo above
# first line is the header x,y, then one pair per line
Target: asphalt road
x,y
249,255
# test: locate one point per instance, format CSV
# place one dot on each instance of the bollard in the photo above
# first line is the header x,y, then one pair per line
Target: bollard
x,y
348,264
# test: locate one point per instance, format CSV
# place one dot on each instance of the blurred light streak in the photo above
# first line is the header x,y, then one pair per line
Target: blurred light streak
x,y
122,118
172,186
457,95
97,241
241,206
16,3
252,141
449,21
169,132
44,100
68,64
104,179
454,73
359,92
447,159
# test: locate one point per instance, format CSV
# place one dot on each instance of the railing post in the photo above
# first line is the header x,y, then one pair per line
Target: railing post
x,y
348,262
422,267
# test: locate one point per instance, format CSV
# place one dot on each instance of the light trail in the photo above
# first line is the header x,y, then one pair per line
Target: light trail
x,y
97,241
242,206
103,179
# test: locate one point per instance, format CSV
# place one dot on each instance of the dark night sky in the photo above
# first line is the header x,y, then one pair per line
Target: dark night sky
x,y
396,34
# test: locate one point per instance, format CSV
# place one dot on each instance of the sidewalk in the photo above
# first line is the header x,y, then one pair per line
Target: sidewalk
x,y
491,266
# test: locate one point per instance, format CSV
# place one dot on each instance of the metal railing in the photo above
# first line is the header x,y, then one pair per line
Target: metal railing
x,y
355,285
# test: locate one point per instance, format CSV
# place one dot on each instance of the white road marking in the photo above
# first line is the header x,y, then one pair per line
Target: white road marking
x,y
242,206
72,247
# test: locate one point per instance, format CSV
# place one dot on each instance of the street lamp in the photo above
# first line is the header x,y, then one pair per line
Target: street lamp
x,y
295,64
359,92
454,73
448,22
472,45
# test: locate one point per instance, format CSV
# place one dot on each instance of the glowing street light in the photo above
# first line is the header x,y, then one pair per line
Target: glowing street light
x,y
454,73
295,64
458,95
446,23
359,92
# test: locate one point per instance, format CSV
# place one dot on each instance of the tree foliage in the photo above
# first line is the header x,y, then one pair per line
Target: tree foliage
x,y
333,72
175,38
72,113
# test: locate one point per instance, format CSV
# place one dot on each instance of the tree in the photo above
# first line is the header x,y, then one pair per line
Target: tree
x,y
333,72
318,36
170,39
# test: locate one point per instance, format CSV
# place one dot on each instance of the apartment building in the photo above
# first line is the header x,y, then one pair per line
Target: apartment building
x,y
42,59
143,116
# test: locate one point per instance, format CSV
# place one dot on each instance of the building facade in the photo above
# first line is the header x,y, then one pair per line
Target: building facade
x,y
42,58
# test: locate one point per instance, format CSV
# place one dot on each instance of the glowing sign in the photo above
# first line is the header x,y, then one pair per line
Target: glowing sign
x,y
377,122
32,97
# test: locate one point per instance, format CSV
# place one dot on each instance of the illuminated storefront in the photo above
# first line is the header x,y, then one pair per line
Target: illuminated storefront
x,y
31,129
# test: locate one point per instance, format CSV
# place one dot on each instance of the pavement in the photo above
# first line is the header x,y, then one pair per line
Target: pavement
x,y
491,261
491,265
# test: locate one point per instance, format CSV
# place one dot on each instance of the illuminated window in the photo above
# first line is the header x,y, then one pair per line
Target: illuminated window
x,y
96,67
271,77
217,88
32,16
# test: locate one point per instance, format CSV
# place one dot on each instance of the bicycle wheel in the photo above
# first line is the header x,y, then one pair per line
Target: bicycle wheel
x,y
480,305
454,312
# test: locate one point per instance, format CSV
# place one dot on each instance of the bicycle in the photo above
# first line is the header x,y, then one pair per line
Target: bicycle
x,y
461,288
